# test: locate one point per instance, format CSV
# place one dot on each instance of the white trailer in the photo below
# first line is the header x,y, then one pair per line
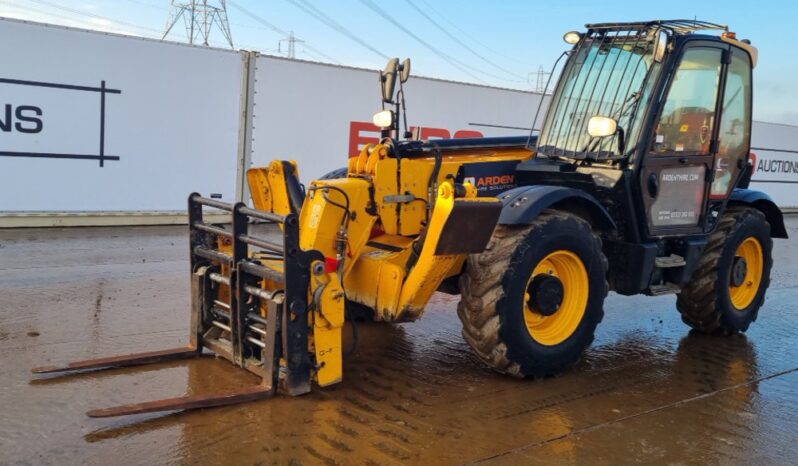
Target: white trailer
x,y
100,128
319,115
102,123
774,150
316,113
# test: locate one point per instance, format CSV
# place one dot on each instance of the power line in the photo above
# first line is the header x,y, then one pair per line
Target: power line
x,y
278,30
473,39
70,19
79,22
313,55
257,18
463,44
333,24
150,5
232,24
92,15
447,58
462,66
167,9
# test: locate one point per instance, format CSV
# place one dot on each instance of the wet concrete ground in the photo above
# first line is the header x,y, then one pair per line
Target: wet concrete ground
x,y
647,391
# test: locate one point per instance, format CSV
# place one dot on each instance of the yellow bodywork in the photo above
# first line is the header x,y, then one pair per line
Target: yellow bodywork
x,y
271,194
379,229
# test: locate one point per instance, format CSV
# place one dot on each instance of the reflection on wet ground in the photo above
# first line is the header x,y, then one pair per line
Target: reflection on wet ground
x,y
647,391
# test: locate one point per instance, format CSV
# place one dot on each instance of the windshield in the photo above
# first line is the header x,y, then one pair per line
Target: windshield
x,y
611,74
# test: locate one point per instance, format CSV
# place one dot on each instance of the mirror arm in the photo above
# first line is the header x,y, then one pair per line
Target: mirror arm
x,y
621,140
401,111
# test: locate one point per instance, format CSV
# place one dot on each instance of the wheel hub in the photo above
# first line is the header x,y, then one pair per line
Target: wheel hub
x,y
739,271
546,294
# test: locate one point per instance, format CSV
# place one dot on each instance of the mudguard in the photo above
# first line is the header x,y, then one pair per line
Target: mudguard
x,y
522,204
765,204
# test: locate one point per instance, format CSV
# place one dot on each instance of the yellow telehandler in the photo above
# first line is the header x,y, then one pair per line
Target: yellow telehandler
x,y
637,183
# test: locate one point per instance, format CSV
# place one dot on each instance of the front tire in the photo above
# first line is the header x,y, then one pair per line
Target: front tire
x,y
739,253
336,174
531,301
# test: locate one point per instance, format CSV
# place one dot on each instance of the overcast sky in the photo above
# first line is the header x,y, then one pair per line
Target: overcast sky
x,y
501,43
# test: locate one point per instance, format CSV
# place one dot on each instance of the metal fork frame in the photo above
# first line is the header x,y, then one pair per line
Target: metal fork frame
x,y
235,330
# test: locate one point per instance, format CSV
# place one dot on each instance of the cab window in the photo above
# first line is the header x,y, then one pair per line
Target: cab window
x,y
687,119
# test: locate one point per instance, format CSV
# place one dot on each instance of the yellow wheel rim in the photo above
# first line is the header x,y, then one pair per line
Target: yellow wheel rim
x,y
558,327
742,296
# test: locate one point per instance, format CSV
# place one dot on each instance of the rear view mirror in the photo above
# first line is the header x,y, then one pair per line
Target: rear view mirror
x,y
388,78
660,45
601,126
404,70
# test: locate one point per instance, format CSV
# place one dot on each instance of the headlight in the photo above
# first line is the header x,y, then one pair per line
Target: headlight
x,y
572,37
383,119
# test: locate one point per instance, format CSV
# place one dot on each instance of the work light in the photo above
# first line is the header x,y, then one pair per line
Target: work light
x,y
571,37
383,119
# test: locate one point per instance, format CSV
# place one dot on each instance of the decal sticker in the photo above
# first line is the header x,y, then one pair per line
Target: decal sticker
x,y
490,178
26,121
679,177
672,215
684,128
680,197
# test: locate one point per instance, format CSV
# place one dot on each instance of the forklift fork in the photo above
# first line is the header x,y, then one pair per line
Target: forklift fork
x,y
264,331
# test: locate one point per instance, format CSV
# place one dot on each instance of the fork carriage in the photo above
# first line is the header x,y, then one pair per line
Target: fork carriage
x,y
249,305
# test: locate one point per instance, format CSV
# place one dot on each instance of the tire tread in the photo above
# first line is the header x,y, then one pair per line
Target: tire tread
x,y
698,302
482,287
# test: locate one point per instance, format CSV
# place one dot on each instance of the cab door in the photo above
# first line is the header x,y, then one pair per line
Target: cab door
x,y
678,166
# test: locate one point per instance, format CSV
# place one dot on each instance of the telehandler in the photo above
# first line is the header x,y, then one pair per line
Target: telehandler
x,y
636,183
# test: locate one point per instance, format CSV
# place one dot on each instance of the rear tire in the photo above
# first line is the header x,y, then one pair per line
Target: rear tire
x,y
335,174
709,303
500,323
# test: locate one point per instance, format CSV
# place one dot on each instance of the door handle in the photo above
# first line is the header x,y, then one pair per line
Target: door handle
x,y
683,160
653,185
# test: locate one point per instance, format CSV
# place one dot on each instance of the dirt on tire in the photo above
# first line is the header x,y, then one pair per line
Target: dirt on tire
x,y
702,302
483,286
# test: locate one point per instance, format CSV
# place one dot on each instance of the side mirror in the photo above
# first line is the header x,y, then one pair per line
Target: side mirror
x,y
388,78
404,70
601,126
660,46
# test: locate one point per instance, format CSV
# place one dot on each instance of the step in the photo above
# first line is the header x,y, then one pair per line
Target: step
x,y
670,261
663,289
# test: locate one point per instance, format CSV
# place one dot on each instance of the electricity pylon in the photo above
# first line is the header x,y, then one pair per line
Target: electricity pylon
x,y
199,17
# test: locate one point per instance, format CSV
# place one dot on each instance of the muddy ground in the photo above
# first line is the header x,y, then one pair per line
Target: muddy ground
x,y
647,391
